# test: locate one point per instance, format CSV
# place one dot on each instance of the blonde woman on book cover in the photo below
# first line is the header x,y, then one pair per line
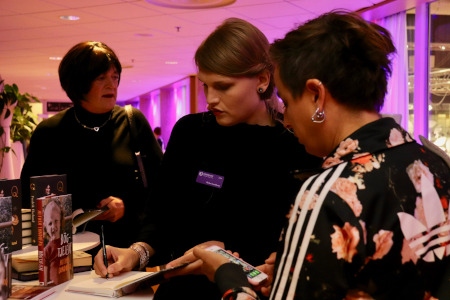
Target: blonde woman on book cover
x,y
54,224
374,224
227,174
92,143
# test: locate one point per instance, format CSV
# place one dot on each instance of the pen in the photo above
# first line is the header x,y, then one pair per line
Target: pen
x,y
105,258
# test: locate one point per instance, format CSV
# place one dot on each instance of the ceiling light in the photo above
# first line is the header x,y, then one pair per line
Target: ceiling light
x,y
191,3
69,18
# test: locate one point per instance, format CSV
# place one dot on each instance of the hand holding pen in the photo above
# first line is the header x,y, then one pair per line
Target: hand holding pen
x,y
105,257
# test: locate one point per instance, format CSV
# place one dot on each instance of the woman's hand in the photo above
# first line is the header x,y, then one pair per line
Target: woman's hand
x,y
116,209
211,261
268,267
119,260
195,264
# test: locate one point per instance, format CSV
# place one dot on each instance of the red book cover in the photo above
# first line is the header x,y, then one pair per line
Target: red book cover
x,y
54,224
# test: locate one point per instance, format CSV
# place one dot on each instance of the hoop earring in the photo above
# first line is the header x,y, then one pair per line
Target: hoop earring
x,y
318,116
260,90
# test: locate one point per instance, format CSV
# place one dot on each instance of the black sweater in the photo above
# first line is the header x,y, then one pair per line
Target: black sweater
x,y
97,164
246,213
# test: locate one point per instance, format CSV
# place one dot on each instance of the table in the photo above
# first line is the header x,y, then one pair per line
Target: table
x,y
61,294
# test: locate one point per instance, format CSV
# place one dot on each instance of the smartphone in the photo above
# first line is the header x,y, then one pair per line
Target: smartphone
x,y
254,275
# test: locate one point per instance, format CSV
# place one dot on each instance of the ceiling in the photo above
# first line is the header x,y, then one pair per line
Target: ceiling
x,y
145,36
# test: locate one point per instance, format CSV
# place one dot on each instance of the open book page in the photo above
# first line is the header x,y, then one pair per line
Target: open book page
x,y
81,216
122,284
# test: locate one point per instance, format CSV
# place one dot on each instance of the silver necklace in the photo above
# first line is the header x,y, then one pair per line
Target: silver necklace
x,y
96,128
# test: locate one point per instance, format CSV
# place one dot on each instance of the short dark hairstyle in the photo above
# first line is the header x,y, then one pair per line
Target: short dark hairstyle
x,y
157,130
82,64
349,55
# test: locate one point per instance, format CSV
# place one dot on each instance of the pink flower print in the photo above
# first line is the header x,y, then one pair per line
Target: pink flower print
x,y
331,161
344,241
346,189
383,243
395,138
346,147
415,172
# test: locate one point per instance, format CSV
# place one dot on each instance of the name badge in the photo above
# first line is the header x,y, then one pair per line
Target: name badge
x,y
210,179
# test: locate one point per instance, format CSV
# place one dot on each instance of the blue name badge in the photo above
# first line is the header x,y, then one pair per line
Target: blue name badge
x,y
210,179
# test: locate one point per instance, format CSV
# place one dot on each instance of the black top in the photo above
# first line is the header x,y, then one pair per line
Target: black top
x,y
98,164
246,212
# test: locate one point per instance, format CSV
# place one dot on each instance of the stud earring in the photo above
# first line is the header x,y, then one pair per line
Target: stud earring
x,y
260,90
318,116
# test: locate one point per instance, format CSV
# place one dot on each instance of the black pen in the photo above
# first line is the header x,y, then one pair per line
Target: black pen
x,y
105,258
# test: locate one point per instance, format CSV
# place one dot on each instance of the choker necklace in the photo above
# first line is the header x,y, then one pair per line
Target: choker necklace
x,y
96,128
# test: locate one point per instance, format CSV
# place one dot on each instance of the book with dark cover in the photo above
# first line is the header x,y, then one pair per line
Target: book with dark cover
x,y
40,186
13,188
54,224
5,241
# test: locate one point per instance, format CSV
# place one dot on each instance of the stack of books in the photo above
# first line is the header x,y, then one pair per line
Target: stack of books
x,y
26,227
25,266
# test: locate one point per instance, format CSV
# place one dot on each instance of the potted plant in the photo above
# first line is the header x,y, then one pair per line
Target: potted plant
x,y
15,110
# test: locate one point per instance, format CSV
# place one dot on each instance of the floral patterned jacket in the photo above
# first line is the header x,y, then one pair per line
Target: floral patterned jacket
x,y
374,224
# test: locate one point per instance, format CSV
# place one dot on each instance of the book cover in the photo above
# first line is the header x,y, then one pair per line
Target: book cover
x,y
5,242
13,188
40,186
54,224
82,216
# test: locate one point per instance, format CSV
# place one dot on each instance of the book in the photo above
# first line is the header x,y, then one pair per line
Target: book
x,y
26,225
54,228
34,275
40,186
13,188
119,285
26,214
26,232
34,292
29,263
81,216
26,241
6,233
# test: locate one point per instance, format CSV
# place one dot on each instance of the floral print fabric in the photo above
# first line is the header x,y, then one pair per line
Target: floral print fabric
x,y
375,221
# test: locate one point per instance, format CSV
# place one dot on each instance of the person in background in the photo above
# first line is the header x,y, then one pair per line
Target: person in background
x,y
92,144
374,224
228,173
157,133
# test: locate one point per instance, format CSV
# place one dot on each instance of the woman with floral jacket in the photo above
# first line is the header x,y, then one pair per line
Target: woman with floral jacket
x,y
374,224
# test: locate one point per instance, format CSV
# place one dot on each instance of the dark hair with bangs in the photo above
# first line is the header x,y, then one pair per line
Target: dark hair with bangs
x,y
82,64
351,56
